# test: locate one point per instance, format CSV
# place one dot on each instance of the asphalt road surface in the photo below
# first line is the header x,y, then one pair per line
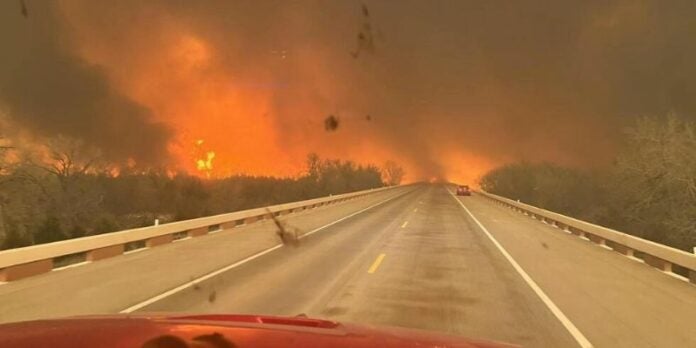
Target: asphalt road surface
x,y
416,257
421,261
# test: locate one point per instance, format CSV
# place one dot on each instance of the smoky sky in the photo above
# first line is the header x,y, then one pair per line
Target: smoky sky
x,y
48,89
494,80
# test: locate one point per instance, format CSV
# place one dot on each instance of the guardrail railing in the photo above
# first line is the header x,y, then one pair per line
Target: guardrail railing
x,y
665,258
28,261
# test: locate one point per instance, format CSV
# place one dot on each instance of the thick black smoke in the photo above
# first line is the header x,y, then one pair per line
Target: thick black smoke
x,y
46,88
500,80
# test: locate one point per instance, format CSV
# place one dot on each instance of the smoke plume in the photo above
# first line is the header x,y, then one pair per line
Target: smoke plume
x,y
451,88
47,88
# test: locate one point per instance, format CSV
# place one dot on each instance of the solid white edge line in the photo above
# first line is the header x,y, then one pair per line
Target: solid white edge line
x,y
572,329
243,261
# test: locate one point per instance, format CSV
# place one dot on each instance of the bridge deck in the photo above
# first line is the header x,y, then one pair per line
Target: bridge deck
x,y
416,260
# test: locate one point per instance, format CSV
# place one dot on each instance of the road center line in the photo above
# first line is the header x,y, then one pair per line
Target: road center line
x,y
243,261
376,264
404,224
572,329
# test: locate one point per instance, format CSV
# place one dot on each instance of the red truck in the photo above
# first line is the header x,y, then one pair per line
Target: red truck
x,y
463,190
218,331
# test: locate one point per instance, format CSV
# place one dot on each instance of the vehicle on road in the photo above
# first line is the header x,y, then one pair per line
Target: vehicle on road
x,y
463,190
217,331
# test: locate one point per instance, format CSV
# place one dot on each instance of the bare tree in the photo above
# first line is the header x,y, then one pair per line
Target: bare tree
x,y
656,179
392,173
68,158
3,150
68,183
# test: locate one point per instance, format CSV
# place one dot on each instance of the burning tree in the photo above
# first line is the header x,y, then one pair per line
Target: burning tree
x,y
392,173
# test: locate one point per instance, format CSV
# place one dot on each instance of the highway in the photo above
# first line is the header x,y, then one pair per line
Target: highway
x,y
415,257
433,268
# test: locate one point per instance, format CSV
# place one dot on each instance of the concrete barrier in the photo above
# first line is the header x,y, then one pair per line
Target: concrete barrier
x,y
28,261
656,255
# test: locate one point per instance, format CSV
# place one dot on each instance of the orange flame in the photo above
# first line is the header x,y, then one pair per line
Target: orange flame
x,y
204,164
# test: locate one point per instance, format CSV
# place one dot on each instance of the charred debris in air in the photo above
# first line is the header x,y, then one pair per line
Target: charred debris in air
x,y
23,7
288,235
366,42
331,123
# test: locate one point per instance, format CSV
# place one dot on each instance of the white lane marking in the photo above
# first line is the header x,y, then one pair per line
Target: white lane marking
x,y
77,264
572,329
349,216
205,277
241,262
404,224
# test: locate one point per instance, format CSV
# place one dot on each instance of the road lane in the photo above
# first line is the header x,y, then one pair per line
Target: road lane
x,y
111,285
613,300
417,260
437,273
291,280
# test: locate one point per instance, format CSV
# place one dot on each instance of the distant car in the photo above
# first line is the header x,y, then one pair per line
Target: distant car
x,y
463,190
219,331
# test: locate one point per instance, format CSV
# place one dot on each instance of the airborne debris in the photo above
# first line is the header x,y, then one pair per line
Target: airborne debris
x,y
212,297
25,12
288,236
331,123
365,37
544,245
196,285
368,117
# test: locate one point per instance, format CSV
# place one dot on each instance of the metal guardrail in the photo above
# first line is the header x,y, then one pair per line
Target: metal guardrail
x,y
28,261
654,254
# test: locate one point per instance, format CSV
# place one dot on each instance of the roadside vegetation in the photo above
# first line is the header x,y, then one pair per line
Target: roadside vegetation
x,y
649,191
66,191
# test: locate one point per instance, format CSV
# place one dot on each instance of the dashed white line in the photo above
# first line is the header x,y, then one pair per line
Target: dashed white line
x,y
572,329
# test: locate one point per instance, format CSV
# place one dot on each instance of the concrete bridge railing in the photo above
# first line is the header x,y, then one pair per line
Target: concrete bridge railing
x,y
28,261
665,258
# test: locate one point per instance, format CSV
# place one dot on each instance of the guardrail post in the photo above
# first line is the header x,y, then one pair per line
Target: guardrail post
x,y
600,241
576,232
26,270
657,263
196,232
105,253
623,249
159,240
227,225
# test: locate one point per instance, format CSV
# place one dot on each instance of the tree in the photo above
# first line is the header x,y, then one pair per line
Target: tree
x,y
4,233
650,191
49,231
66,173
392,173
655,180
69,158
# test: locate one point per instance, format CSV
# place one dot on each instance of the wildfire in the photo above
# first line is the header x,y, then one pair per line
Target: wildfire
x,y
204,160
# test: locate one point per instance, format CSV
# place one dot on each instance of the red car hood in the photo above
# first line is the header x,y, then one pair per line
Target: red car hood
x,y
132,331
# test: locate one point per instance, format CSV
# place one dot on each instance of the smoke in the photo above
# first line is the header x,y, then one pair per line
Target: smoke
x,y
451,88
47,88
